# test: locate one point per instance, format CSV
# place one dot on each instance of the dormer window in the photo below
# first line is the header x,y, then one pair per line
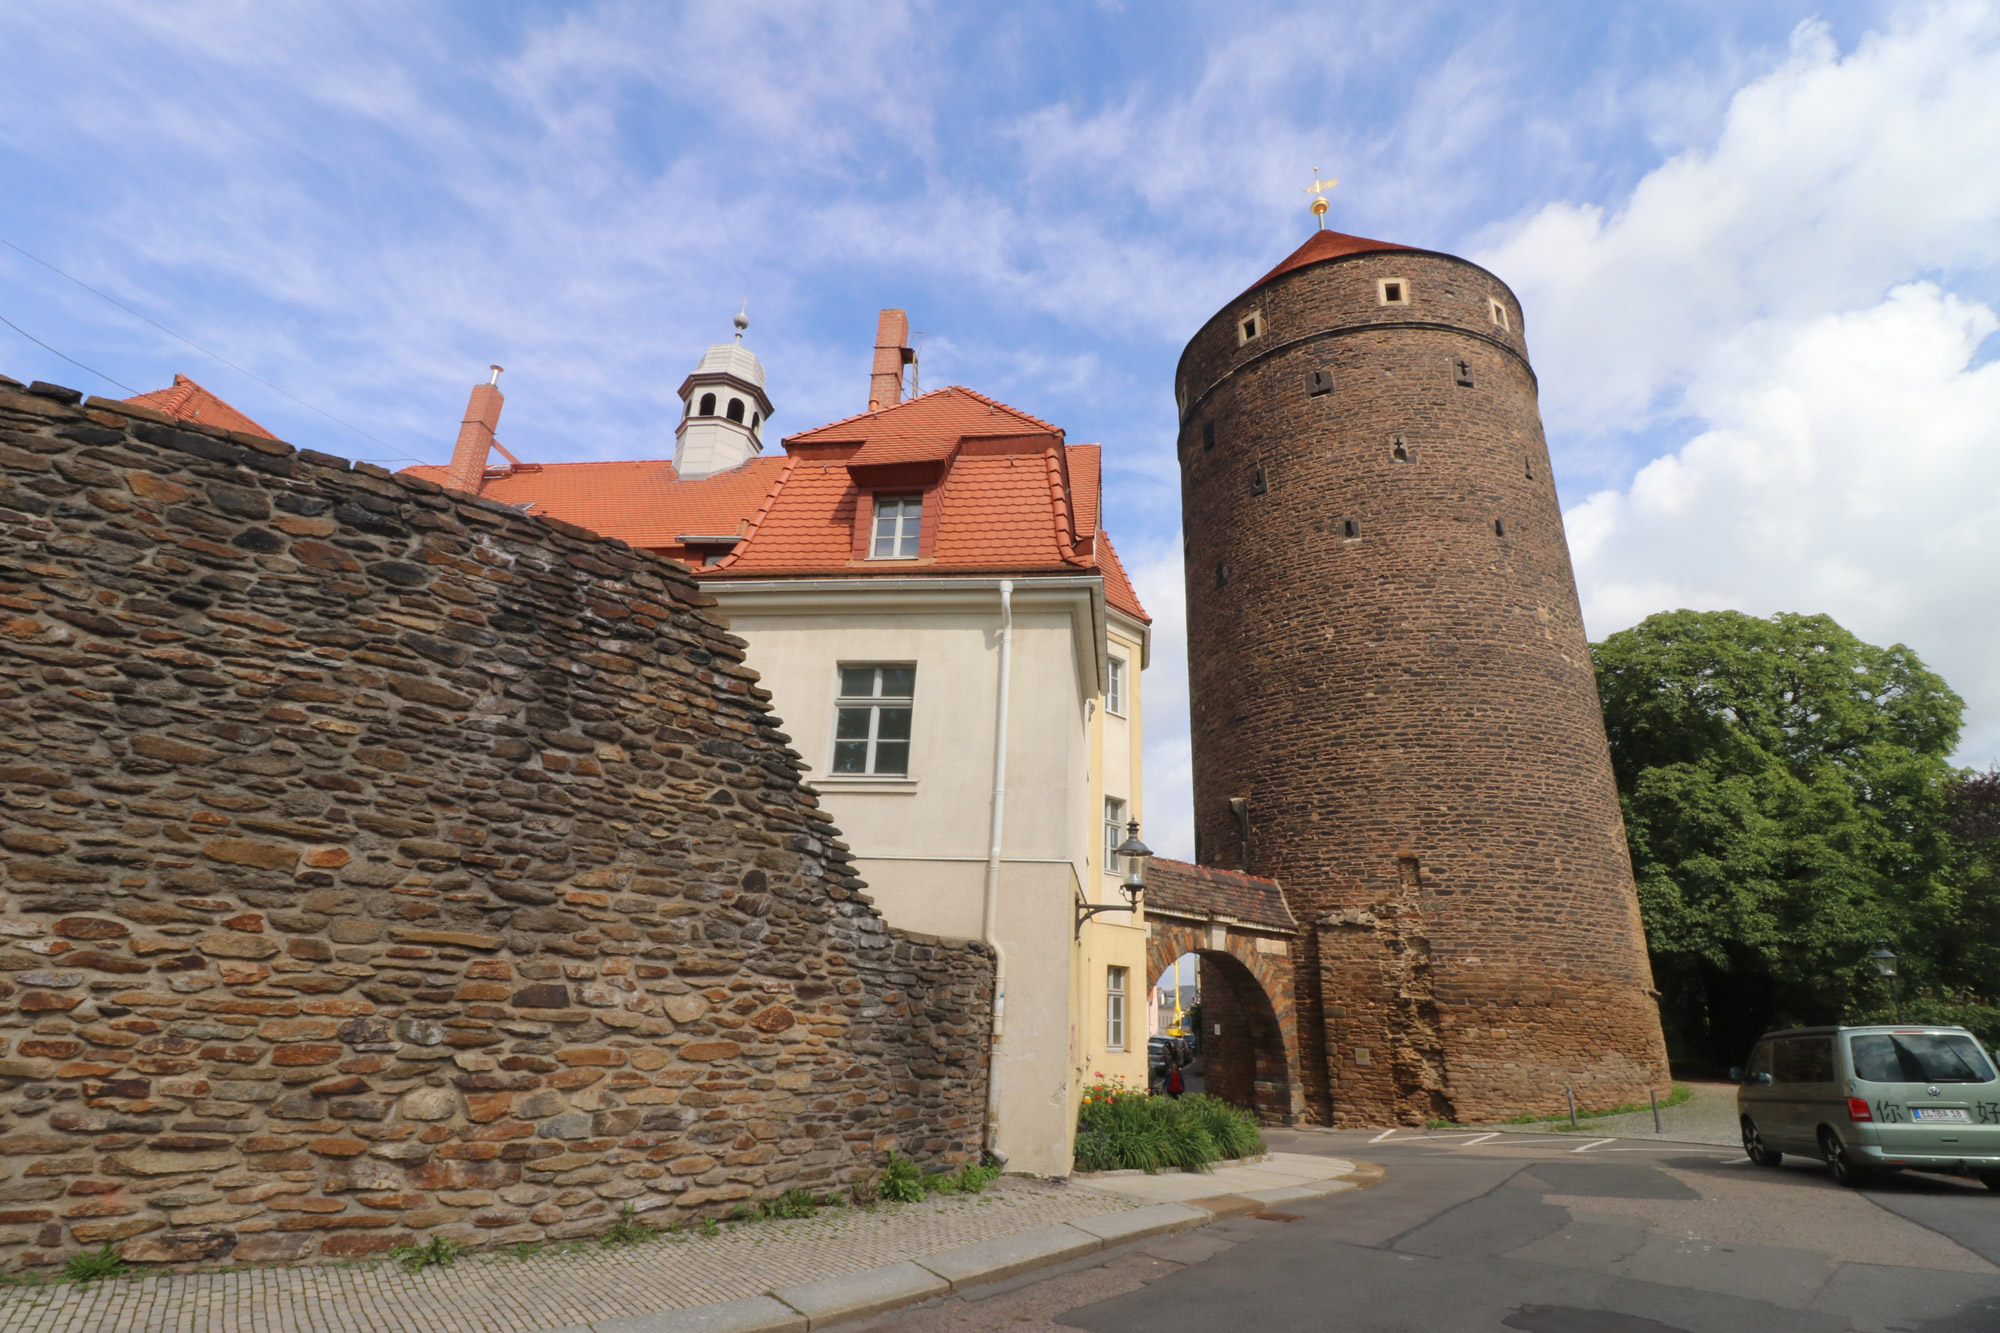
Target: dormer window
x,y
898,521
736,410
1249,327
707,408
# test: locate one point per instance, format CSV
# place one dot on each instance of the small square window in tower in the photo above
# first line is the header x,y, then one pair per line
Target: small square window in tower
x,y
1350,529
1393,291
1322,382
1258,482
1498,312
1461,372
1249,327
898,523
1398,451
871,731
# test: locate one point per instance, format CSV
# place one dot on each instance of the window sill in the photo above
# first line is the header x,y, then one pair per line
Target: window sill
x,y
866,782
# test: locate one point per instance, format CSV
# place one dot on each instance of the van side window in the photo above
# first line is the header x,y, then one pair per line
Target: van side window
x,y
1803,1060
1760,1062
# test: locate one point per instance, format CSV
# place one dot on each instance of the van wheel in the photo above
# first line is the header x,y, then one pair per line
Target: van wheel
x,y
1843,1168
1753,1146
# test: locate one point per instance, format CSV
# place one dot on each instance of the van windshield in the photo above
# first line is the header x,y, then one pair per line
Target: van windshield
x,y
1919,1057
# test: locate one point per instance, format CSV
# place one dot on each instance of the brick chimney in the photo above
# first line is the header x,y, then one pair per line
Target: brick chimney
x,y
892,353
475,437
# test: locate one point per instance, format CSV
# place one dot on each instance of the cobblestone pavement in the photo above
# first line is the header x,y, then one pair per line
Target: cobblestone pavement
x,y
502,1294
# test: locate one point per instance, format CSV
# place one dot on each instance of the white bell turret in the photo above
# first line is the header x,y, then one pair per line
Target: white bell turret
x,y
723,410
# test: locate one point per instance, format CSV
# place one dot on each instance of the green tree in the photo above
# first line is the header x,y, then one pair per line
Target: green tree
x,y
1786,791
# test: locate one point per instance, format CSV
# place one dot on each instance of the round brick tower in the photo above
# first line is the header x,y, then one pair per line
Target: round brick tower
x,y
1394,712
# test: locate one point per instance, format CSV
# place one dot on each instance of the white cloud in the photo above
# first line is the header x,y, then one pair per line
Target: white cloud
x,y
1850,467
1832,178
1169,757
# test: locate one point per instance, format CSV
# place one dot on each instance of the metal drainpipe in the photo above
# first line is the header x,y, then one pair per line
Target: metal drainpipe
x,y
990,931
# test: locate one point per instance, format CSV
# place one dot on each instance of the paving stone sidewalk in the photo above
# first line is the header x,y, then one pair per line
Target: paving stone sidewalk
x,y
502,1294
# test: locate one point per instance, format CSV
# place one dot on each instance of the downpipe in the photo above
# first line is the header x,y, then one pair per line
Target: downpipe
x,y
989,931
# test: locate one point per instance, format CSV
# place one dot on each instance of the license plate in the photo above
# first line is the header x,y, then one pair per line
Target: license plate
x,y
1938,1113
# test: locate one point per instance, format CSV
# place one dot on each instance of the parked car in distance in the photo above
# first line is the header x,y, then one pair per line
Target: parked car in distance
x,y
1869,1099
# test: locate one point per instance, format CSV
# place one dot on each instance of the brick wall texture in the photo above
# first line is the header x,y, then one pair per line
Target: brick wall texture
x,y
1388,665
379,863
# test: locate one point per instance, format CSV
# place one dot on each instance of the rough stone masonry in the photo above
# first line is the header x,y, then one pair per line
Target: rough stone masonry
x,y
380,863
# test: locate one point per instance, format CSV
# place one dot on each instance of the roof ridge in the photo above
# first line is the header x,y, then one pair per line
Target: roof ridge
x,y
1041,425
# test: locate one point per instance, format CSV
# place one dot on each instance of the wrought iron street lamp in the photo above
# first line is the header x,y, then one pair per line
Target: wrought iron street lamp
x,y
1885,963
1134,853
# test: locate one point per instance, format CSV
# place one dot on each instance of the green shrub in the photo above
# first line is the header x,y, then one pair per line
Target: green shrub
x,y
90,1267
795,1202
901,1181
1121,1128
971,1178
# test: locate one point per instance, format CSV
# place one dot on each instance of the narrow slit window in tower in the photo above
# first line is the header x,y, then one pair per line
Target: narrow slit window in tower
x,y
1400,451
1221,575
1322,382
1461,372
1208,434
1393,291
1350,528
1531,468
1258,483
1499,527
1498,312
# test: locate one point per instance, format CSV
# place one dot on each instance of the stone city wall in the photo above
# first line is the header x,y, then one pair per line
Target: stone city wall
x,y
379,863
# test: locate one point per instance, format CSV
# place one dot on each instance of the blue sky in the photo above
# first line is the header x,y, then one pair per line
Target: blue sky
x,y
1758,247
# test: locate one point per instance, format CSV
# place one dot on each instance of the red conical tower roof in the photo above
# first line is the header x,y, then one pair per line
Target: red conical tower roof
x,y
1325,245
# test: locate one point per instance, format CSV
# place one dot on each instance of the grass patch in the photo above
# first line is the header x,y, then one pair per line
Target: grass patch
x,y
1121,1128
89,1267
627,1230
1681,1093
437,1252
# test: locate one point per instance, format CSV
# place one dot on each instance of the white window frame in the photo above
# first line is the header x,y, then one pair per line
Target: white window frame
x,y
1402,286
905,516
1114,686
1116,983
1249,326
1114,832
1498,310
875,703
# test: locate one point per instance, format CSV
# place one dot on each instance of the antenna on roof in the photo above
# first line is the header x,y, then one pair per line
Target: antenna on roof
x,y
916,356
742,320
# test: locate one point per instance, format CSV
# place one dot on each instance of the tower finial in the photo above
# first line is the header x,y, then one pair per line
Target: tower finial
x,y
742,320
1318,192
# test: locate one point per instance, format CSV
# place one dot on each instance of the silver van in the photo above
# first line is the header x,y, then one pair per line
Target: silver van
x,y
1868,1099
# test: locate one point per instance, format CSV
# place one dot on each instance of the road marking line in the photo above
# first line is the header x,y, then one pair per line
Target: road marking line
x,y
1383,1135
1469,1143
1594,1143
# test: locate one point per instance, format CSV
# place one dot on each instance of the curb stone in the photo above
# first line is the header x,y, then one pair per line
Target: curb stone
x,y
873,1291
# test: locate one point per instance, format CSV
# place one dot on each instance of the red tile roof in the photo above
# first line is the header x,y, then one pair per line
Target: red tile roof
x,y
1322,246
188,401
1006,494
1180,889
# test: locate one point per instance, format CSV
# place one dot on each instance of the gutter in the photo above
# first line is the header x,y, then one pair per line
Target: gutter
x,y
989,928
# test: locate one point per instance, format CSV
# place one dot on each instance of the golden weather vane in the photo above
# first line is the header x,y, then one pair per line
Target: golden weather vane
x,y
1318,192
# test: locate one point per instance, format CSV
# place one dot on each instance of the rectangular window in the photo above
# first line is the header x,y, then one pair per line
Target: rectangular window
x,y
871,731
898,518
1114,833
1114,1008
1114,687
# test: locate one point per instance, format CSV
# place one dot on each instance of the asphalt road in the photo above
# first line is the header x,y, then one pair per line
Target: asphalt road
x,y
1539,1235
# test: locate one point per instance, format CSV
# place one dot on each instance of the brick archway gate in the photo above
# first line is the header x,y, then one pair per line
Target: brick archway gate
x,y
1243,933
